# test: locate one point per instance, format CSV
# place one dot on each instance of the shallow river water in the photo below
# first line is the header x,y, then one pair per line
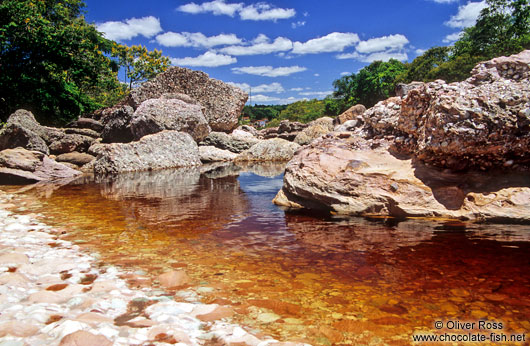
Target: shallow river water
x,y
300,277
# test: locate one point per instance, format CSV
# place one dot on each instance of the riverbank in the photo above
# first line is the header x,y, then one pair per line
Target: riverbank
x,y
53,293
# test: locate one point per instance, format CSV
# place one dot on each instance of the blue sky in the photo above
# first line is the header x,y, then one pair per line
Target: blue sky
x,y
284,50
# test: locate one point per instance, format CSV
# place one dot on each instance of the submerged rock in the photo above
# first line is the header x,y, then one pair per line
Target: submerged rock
x,y
166,149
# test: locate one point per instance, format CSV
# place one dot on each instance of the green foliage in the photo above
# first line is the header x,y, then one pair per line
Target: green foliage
x,y
372,84
139,63
259,112
57,65
420,69
304,111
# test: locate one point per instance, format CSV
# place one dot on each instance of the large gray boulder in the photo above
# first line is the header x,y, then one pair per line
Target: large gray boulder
x,y
155,115
14,136
26,120
70,143
117,124
316,129
275,149
223,103
166,149
213,154
20,166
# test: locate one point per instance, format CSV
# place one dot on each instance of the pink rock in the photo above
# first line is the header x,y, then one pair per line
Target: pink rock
x,y
83,338
93,318
14,279
174,279
217,314
16,328
48,297
14,258
103,286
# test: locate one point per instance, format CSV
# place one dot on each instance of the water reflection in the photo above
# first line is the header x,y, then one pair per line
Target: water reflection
x,y
329,280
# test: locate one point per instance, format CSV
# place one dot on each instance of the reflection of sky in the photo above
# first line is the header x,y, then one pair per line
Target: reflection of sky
x,y
252,183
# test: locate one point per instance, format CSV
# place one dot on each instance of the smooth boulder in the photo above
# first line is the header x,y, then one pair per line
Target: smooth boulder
x,y
213,154
237,142
166,149
14,136
347,176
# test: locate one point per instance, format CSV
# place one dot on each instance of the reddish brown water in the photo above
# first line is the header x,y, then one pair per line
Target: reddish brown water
x,y
316,279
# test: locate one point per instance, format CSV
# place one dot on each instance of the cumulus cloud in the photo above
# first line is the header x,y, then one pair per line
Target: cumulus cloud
x,y
261,45
334,42
444,1
208,59
256,12
467,15
274,100
379,44
216,7
262,88
264,11
197,39
452,37
296,89
420,51
345,73
268,71
126,30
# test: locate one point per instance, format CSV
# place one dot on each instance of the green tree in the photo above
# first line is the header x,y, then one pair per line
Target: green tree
x,y
52,61
420,69
304,111
139,63
372,84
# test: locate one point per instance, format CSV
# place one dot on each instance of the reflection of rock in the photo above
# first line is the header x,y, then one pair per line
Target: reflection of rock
x,y
218,170
177,201
357,234
263,169
348,177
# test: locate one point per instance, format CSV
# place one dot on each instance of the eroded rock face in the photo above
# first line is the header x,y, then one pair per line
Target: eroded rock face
x,y
223,103
213,154
480,123
351,114
26,120
117,124
166,149
20,166
155,115
348,176
13,136
275,149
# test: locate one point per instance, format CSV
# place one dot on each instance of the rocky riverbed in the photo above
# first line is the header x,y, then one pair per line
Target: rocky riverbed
x,y
52,293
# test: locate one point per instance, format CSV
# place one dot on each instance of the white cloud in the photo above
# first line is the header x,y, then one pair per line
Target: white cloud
x,y
445,1
208,59
263,88
298,24
216,7
274,100
259,11
467,15
268,71
379,44
261,45
296,89
420,51
317,75
264,11
452,37
382,56
197,39
126,30
316,93
345,73
334,42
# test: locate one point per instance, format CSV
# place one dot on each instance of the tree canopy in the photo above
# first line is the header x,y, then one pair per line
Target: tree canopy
x,y
56,64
